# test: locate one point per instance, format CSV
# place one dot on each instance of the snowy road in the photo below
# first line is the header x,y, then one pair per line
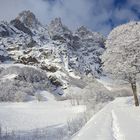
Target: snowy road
x,y
119,120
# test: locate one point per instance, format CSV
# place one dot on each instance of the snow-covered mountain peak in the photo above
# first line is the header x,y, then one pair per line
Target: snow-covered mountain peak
x,y
29,19
83,32
57,29
27,22
86,34
57,22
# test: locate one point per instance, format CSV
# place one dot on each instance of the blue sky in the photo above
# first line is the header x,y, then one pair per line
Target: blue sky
x,y
133,11
98,15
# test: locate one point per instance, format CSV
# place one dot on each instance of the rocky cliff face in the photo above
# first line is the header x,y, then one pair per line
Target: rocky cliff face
x,y
29,19
7,30
25,40
57,30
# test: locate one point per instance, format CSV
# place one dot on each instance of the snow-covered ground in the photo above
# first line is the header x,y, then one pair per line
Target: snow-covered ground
x,y
119,120
9,76
106,82
37,115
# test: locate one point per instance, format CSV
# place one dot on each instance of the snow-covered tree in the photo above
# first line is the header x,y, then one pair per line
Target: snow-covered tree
x,y
122,57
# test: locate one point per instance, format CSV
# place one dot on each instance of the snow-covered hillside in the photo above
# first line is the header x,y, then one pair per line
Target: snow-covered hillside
x,y
119,120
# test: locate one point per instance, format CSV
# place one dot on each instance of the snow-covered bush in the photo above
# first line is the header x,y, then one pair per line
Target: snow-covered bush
x,y
96,96
21,83
28,74
75,125
122,57
40,97
93,94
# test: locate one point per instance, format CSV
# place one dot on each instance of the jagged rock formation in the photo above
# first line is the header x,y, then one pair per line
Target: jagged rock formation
x,y
27,22
91,46
78,52
29,19
58,31
53,48
7,30
20,26
3,53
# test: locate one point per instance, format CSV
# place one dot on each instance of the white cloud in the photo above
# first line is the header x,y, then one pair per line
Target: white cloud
x,y
134,2
125,14
92,13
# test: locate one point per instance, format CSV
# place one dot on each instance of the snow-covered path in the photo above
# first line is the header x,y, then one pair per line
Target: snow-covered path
x,y
117,135
119,120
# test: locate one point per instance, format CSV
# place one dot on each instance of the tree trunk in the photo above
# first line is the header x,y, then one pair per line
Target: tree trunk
x,y
134,89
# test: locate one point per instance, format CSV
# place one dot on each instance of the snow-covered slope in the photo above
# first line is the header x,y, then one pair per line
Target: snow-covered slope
x,y
119,120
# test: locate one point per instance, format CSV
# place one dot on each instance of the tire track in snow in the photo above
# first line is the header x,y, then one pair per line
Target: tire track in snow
x,y
117,135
